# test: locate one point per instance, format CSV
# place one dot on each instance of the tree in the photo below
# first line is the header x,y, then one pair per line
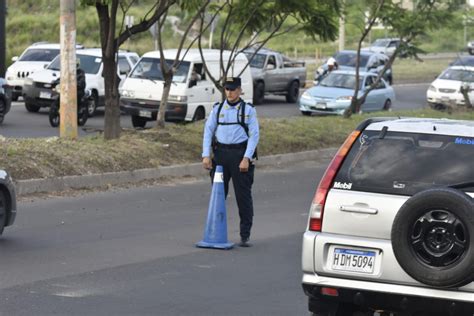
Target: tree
x,y
252,23
406,24
112,36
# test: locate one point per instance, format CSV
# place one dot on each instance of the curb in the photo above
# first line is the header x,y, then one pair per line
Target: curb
x,y
45,185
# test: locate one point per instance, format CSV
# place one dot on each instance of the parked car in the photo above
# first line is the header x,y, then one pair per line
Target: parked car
x,y
387,46
274,73
391,226
446,89
369,62
463,61
192,93
38,86
5,99
7,201
34,58
334,93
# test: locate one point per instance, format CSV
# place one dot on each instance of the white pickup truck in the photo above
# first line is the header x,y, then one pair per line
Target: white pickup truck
x,y
274,73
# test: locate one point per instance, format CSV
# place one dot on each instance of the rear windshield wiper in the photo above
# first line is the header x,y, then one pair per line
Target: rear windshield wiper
x,y
462,185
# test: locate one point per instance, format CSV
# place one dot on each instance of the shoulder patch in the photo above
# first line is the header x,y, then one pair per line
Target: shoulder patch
x,y
248,103
215,104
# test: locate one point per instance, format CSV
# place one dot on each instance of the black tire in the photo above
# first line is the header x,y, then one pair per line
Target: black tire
x,y
293,92
82,116
200,114
306,113
3,211
138,121
387,106
3,109
471,52
54,115
92,104
433,237
31,107
258,93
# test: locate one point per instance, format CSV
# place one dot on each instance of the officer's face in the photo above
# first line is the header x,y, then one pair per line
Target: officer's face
x,y
233,95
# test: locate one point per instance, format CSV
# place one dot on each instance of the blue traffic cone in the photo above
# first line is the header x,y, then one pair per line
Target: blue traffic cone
x,y
215,233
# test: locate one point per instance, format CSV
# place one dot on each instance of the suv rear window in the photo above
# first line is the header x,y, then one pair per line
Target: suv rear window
x,y
406,163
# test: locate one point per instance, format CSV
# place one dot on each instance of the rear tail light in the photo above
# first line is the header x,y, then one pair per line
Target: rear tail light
x,y
329,291
317,207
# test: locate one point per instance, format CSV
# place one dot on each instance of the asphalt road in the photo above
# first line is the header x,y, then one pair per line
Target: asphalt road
x,y
131,252
20,123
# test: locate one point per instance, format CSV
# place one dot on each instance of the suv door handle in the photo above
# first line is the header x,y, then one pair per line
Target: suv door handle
x,y
358,209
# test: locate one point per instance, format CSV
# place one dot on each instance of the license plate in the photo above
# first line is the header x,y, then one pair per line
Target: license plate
x,y
45,95
321,105
354,260
145,114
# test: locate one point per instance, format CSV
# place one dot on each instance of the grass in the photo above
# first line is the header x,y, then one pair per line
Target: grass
x,y
177,144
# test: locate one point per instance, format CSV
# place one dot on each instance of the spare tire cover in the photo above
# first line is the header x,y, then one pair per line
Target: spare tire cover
x,y
433,237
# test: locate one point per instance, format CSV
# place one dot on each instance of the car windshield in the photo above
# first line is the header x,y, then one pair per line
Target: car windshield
x,y
39,54
349,59
340,80
90,64
464,61
380,43
458,75
258,60
149,68
406,163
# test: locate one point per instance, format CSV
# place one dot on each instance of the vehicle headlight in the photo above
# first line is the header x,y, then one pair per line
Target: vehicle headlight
x,y
178,98
306,96
28,82
432,88
345,98
127,94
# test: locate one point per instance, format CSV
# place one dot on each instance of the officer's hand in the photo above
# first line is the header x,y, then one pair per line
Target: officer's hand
x,y
244,165
207,163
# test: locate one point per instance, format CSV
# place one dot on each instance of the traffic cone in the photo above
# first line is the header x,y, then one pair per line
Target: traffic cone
x,y
215,233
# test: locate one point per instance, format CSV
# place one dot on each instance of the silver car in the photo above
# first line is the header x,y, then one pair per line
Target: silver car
x,y
391,226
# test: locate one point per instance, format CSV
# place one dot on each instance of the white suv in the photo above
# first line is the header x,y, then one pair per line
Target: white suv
x,y
34,58
37,90
391,226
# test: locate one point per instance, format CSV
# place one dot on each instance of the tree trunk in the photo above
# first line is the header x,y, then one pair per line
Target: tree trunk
x,y
112,109
160,119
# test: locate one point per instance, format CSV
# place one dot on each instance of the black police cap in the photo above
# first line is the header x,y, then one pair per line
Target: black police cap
x,y
232,82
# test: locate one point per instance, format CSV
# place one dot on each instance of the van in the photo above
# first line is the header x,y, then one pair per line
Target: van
x,y
37,90
192,93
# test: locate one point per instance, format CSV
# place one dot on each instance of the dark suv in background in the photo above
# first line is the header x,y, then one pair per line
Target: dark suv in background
x,y
391,226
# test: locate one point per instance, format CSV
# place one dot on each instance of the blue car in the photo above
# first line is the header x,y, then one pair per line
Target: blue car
x,y
334,93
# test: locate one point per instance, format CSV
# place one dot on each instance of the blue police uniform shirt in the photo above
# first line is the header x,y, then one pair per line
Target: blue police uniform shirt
x,y
231,134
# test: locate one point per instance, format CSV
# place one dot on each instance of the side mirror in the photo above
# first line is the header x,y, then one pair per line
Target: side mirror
x,y
192,83
14,58
270,66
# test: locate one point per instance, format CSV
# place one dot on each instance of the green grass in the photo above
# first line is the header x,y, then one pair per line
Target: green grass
x,y
177,144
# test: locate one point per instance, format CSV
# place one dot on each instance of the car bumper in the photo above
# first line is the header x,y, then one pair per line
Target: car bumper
x,y
35,94
149,109
445,98
386,301
324,107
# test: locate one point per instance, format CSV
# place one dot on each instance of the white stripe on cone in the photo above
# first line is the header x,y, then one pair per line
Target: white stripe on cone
x,y
219,177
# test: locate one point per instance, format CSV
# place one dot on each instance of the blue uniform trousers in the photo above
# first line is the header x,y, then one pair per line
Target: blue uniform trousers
x,y
229,158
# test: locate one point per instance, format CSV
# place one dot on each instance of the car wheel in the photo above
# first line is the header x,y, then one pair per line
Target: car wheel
x,y
293,92
54,115
199,115
3,109
82,116
387,105
138,121
31,107
92,104
471,52
433,237
3,211
258,93
306,113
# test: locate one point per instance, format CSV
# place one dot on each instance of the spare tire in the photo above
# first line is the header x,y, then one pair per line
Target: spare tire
x,y
433,237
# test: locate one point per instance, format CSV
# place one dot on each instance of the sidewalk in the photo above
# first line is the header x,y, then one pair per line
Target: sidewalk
x,y
105,180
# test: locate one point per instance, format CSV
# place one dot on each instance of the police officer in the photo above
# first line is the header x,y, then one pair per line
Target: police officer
x,y
232,131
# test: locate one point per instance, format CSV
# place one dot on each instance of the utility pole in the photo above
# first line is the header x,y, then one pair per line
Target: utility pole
x,y
3,17
68,106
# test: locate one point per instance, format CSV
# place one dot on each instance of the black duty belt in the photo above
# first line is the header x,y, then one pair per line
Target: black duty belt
x,y
242,145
